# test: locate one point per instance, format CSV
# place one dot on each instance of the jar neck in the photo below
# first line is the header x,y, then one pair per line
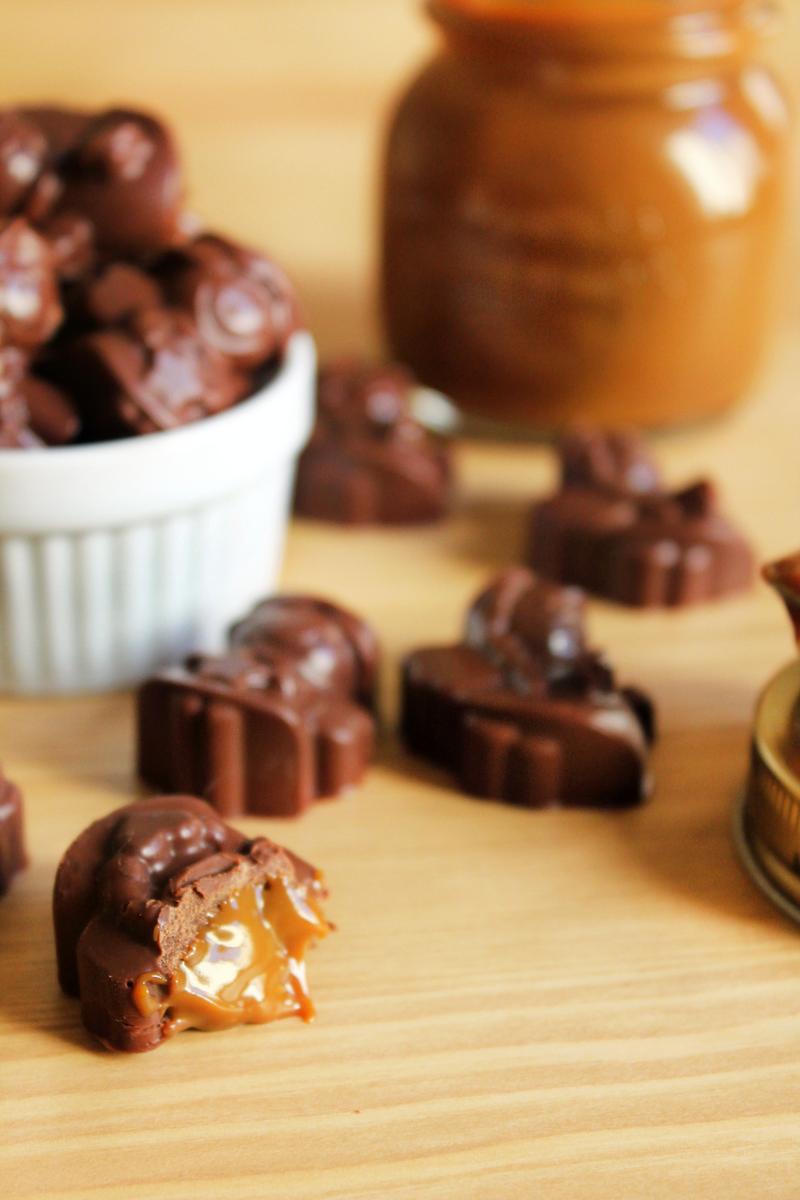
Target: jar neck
x,y
600,45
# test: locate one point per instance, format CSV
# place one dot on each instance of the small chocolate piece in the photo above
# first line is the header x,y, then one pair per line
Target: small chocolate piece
x,y
784,576
273,725
30,309
23,156
333,649
12,837
242,302
522,711
369,461
114,294
615,531
62,127
154,373
71,239
124,175
51,414
167,919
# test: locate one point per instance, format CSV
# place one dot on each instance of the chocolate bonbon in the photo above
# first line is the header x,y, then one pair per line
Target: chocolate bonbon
x,y
522,711
12,837
124,175
153,373
369,461
280,720
113,292
615,530
168,919
243,304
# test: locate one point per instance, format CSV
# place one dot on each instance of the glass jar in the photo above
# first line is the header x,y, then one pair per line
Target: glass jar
x,y
583,203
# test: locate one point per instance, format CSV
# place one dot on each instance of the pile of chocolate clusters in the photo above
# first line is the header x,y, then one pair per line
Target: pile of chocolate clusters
x,y
118,314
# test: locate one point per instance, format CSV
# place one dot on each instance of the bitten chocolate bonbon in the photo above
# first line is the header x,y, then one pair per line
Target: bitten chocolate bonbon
x,y
281,720
168,919
616,531
112,294
522,711
12,835
369,461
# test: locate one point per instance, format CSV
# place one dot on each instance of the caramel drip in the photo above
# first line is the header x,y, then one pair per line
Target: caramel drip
x,y
246,967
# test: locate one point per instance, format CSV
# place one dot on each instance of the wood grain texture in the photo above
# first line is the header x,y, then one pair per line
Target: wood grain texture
x,y
564,1005
516,1004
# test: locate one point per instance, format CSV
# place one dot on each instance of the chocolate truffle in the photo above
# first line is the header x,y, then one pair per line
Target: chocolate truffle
x,y
150,374
616,531
241,301
167,919
123,174
522,711
12,839
30,309
278,722
369,461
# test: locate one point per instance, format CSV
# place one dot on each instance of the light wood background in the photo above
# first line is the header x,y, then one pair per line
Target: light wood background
x,y
563,1005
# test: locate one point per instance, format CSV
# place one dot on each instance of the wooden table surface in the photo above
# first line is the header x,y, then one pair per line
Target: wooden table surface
x,y
560,1005
516,1004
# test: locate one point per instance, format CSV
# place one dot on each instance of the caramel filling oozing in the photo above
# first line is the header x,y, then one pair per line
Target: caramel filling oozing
x,y
246,967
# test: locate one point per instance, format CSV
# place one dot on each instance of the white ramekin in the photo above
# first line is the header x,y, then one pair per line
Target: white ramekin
x,y
120,557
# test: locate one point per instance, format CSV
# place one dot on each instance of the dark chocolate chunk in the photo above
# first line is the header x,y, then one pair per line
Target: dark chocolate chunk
x,y
522,711
153,373
369,461
278,722
242,302
614,530
124,175
30,309
144,901
12,836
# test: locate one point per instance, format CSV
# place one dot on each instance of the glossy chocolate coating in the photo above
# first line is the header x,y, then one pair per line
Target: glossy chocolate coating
x,y
30,308
134,891
71,240
113,294
614,530
52,416
124,175
23,156
369,461
151,374
522,711
12,836
242,302
278,722
333,649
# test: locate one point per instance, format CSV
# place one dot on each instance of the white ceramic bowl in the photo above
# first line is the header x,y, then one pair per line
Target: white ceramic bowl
x,y
119,557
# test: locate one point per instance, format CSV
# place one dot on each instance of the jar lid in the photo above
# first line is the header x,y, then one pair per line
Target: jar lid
x,y
768,819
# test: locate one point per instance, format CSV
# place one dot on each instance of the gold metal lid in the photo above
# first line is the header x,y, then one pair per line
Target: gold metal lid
x,y
768,821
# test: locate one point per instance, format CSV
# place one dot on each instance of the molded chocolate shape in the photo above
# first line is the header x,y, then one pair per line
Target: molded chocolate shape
x,y
522,711
30,308
166,919
151,374
369,461
613,530
124,175
242,302
275,724
12,837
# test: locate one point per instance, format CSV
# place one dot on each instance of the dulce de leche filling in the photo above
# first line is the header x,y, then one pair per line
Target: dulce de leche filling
x,y
246,966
